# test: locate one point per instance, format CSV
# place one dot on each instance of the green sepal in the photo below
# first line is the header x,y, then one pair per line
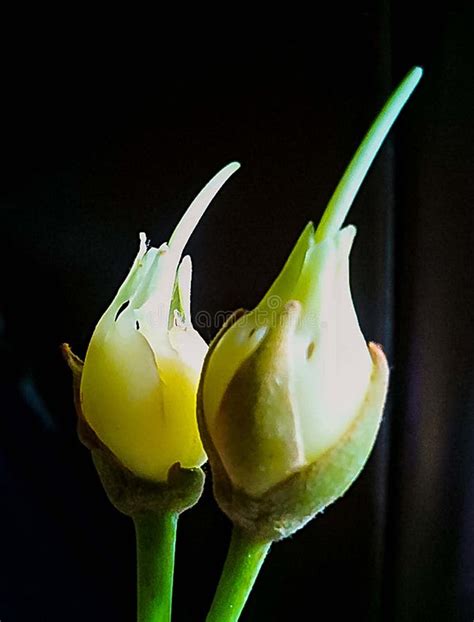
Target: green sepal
x,y
135,496
285,281
128,493
289,505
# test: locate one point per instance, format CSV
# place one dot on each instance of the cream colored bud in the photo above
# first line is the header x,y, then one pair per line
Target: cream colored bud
x,y
142,367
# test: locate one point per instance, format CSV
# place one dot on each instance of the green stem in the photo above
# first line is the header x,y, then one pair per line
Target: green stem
x,y
156,541
340,202
244,560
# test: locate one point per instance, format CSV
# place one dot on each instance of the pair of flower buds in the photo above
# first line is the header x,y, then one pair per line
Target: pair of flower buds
x,y
286,402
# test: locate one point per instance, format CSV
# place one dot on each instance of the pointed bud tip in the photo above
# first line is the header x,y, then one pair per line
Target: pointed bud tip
x,y
143,247
234,166
186,263
413,77
73,361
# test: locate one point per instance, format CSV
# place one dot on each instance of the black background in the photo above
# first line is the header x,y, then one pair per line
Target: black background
x,y
109,129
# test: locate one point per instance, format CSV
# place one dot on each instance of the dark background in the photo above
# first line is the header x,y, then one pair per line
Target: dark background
x,y
113,130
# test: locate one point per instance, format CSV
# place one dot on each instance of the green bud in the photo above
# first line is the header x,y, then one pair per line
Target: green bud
x,y
291,396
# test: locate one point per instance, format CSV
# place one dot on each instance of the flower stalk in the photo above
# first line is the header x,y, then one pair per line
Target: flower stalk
x,y
156,543
244,560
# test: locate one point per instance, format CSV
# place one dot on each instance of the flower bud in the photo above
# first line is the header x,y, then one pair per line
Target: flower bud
x,y
286,381
139,380
291,396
